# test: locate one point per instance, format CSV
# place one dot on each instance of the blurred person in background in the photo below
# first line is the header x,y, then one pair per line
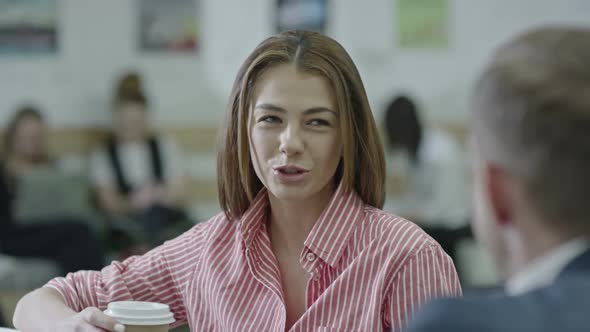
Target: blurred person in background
x,y
428,165
138,175
65,239
531,141
301,243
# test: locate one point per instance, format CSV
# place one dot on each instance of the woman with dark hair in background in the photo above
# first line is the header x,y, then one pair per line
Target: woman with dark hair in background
x,y
403,127
138,175
430,168
66,240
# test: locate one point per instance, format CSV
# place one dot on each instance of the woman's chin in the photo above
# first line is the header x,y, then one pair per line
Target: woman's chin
x,y
289,193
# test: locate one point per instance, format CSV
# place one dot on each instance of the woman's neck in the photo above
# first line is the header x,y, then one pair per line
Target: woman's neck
x,y
291,221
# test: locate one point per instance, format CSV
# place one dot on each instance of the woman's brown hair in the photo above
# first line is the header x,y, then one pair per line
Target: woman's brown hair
x,y
23,113
129,89
362,167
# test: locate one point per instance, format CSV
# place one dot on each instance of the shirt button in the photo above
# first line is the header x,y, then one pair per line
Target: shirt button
x,y
310,257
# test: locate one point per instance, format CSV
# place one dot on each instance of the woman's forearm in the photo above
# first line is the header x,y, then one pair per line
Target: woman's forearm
x,y
40,310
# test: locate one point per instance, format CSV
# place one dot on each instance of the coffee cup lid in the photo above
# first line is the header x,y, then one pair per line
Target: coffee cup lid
x,y
140,313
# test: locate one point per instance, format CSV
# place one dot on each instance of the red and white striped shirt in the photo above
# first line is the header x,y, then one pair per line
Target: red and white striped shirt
x,y
369,271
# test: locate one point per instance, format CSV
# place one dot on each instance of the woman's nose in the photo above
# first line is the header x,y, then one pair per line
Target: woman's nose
x,y
291,141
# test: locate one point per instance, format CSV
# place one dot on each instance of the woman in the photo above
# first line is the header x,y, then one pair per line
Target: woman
x,y
301,244
66,240
431,166
138,175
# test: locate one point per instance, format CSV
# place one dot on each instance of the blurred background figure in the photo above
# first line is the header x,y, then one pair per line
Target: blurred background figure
x,y
138,175
31,181
428,167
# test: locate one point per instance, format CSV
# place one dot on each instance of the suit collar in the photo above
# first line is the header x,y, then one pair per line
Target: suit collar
x,y
580,264
546,269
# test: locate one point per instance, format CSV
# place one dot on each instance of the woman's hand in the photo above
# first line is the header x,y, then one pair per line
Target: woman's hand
x,y
89,320
44,310
144,197
171,195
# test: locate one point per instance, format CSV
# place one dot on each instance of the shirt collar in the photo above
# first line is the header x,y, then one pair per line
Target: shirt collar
x,y
330,234
253,219
544,270
328,237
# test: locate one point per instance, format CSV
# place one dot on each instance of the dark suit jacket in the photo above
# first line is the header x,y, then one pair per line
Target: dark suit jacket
x,y
563,306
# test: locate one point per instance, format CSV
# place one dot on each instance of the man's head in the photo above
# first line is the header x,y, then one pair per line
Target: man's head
x,y
531,134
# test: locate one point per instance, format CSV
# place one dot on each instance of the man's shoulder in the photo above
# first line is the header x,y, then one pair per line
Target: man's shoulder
x,y
560,307
452,314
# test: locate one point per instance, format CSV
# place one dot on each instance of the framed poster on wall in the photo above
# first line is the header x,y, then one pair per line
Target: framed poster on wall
x,y
168,26
28,27
301,14
423,24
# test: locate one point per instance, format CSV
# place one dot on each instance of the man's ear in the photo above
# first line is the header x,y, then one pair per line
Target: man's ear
x,y
499,186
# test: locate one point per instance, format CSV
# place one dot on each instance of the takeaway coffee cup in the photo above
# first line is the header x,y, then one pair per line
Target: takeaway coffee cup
x,y
141,316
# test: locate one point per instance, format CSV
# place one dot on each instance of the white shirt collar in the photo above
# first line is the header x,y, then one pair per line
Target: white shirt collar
x,y
545,269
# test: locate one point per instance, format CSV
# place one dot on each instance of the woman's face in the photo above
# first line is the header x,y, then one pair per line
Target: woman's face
x,y
295,141
29,139
131,121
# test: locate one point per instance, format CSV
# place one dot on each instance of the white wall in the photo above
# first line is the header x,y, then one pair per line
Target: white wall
x,y
97,43
441,79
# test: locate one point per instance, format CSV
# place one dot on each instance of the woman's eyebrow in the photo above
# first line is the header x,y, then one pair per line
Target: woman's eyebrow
x,y
270,107
313,110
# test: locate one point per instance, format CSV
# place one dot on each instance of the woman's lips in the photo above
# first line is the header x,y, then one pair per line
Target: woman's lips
x,y
290,173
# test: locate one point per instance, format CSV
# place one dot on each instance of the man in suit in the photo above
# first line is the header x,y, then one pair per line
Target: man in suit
x,y
531,141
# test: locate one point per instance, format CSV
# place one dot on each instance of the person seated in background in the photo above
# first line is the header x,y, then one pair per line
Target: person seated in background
x,y
138,175
65,239
531,140
301,243
429,168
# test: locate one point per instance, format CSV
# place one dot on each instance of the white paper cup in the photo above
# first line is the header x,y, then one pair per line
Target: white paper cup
x,y
141,316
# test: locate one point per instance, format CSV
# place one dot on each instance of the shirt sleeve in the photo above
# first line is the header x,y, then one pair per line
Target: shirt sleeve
x,y
429,274
162,275
101,172
174,170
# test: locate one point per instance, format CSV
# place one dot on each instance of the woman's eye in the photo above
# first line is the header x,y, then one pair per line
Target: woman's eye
x,y
319,122
269,119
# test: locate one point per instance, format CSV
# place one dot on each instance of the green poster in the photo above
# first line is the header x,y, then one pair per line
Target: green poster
x,y
423,23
